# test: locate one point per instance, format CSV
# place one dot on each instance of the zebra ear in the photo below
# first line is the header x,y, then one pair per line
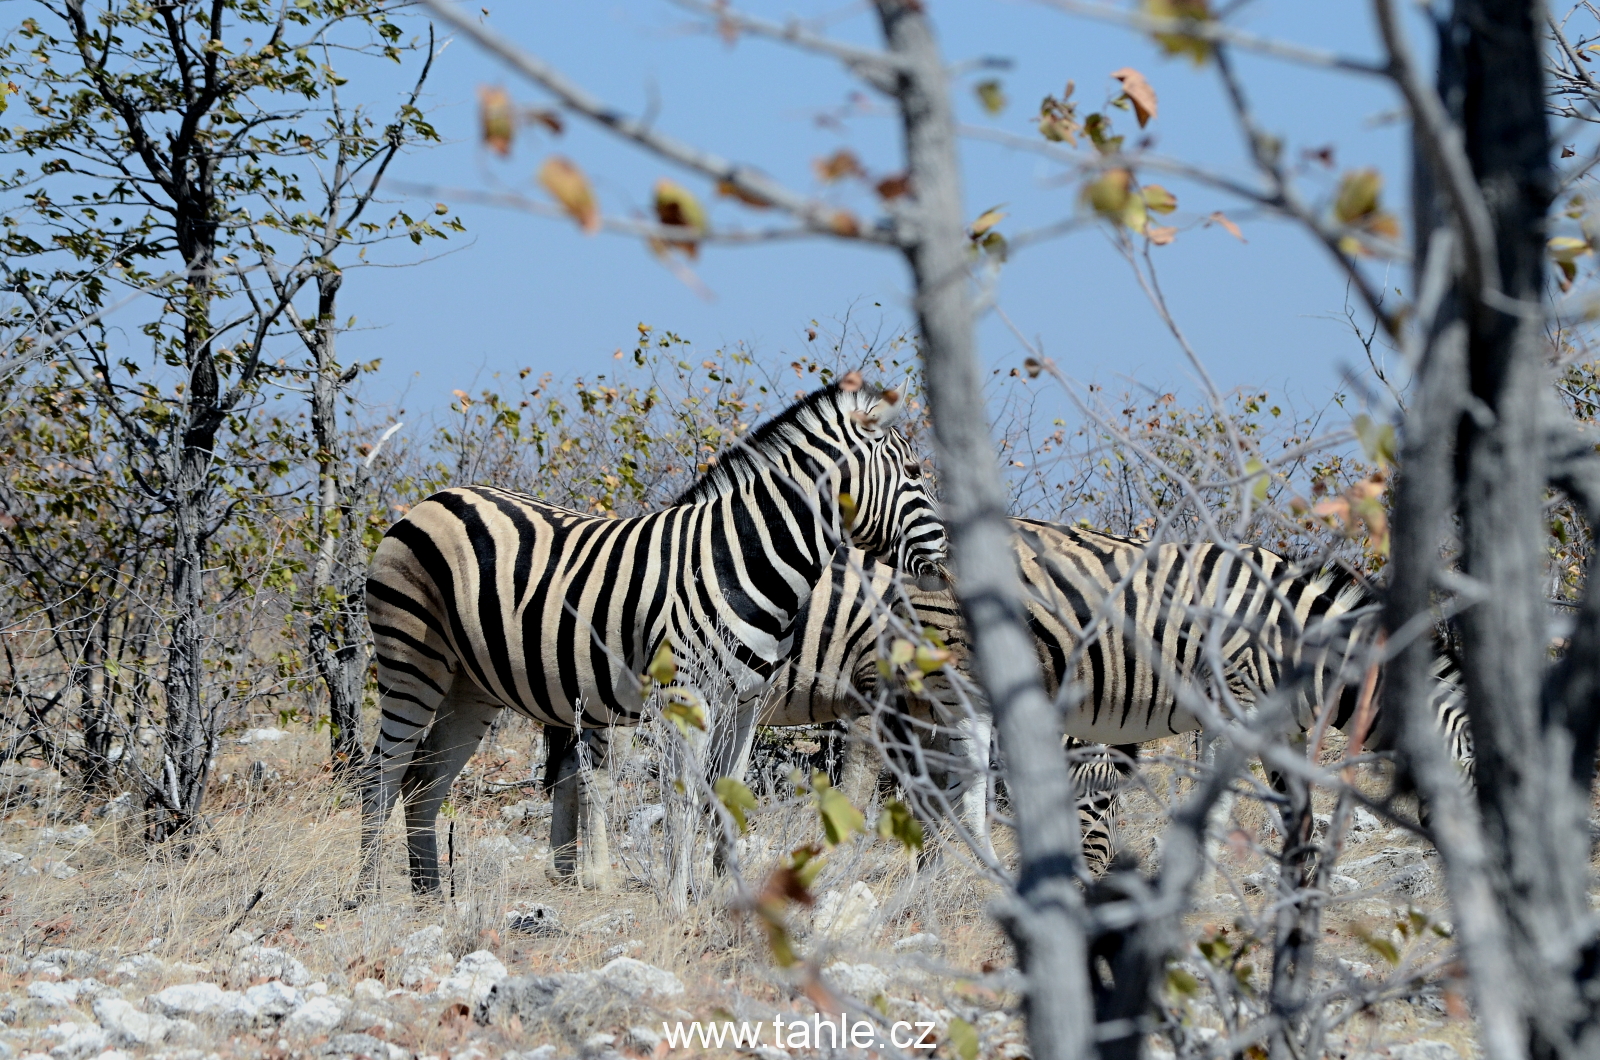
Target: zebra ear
x,y
889,407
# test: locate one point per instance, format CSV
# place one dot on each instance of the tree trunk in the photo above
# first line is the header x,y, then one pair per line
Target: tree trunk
x,y
337,644
1045,920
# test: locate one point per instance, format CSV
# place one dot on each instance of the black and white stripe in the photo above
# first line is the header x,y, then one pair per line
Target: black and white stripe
x,y
482,599
1126,633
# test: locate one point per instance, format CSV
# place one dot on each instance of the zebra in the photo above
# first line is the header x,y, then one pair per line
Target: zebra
x,y
1121,627
482,599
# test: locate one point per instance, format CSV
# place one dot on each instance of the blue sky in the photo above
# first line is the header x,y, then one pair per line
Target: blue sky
x,y
520,290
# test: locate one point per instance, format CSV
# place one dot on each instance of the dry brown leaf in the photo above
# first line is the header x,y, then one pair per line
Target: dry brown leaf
x,y
844,223
1139,93
729,190
548,118
1232,229
496,119
566,183
839,165
1160,235
894,187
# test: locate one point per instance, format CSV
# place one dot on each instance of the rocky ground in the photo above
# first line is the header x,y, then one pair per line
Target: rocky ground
x,y
243,948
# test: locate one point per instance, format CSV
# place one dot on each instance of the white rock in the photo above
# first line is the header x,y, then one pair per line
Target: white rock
x,y
844,912
317,1016
58,870
139,964
543,1052
860,981
919,943
126,1025
273,998
364,1046
636,978
85,1041
1353,968
114,1054
426,943
202,999
56,995
78,833
472,979
497,846
267,962
1364,820
9,858
607,923
69,991
370,990
621,948
417,974
1421,1049
262,736
1338,884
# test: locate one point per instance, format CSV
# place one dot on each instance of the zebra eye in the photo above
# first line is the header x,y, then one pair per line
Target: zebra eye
x,y
913,469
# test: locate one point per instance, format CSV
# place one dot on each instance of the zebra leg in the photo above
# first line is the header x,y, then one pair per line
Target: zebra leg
x,y
859,777
1098,782
464,717
562,779
401,726
594,795
970,742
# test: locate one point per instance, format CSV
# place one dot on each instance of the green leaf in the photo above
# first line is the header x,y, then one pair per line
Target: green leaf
x,y
897,822
963,1039
736,799
683,709
840,820
991,95
1181,982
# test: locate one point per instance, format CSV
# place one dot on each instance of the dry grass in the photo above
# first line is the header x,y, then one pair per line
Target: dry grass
x,y
279,825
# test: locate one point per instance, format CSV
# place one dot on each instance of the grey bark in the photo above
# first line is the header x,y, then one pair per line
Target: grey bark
x,y
1518,866
1045,919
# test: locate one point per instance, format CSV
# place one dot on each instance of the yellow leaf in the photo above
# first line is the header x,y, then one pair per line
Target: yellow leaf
x,y
568,186
1058,118
847,510
1197,48
1159,199
683,709
1567,249
992,96
1109,193
963,1039
496,119
929,658
663,668
901,651
1358,196
1258,488
986,220
677,207
1139,93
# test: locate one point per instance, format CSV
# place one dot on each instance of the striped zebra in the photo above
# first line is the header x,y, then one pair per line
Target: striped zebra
x,y
1124,631
482,598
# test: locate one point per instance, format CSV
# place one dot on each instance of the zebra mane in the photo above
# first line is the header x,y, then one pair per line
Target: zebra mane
x,y
758,449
